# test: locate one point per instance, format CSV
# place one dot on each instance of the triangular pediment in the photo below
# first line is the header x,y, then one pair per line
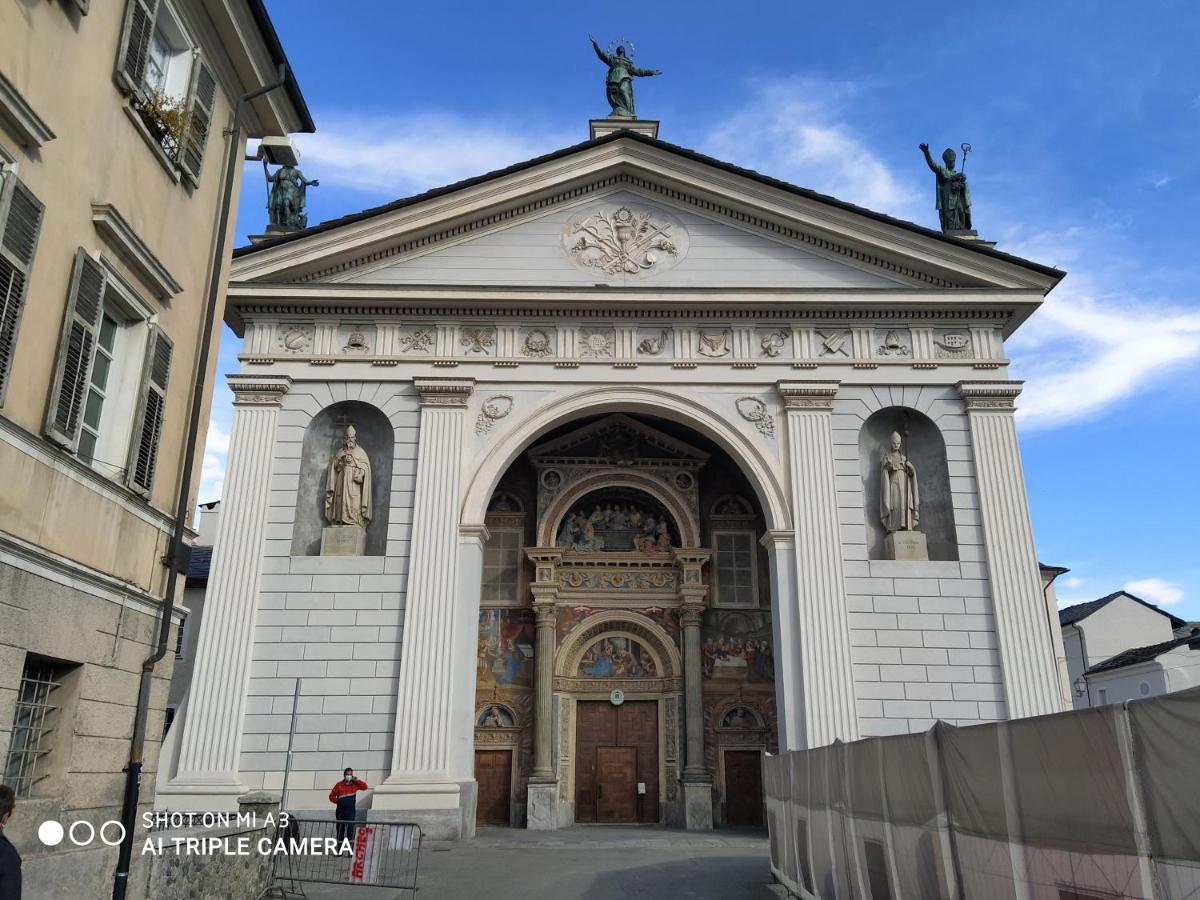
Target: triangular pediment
x,y
630,212
616,440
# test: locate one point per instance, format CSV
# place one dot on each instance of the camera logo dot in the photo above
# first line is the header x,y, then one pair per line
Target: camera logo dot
x,y
50,833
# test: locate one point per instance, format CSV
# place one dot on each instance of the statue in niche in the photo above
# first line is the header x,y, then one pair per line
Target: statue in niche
x,y
348,487
621,72
899,501
953,195
287,198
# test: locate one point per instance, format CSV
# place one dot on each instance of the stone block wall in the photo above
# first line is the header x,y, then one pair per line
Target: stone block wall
x,y
922,633
335,622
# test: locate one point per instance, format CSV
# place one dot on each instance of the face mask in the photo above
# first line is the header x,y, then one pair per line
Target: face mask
x,y
348,779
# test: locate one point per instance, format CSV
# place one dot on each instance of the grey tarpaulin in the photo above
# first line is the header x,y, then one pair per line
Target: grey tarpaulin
x,y
1091,803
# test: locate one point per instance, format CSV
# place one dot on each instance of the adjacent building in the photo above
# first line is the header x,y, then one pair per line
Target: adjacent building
x,y
112,161
571,489
1122,648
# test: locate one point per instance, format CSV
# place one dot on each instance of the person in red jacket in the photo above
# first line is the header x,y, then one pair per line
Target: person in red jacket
x,y
343,795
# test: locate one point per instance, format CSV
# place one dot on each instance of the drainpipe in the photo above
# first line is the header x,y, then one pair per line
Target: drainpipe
x,y
175,549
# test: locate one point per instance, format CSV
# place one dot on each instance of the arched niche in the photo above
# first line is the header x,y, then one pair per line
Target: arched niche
x,y
322,439
926,450
621,518
686,533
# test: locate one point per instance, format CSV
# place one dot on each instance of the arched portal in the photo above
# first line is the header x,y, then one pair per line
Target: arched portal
x,y
626,605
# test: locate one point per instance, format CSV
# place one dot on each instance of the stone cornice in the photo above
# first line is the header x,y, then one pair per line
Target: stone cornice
x,y
453,392
16,112
134,251
994,395
475,532
258,390
808,395
778,540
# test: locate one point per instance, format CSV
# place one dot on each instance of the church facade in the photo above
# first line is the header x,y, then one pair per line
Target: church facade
x,y
658,465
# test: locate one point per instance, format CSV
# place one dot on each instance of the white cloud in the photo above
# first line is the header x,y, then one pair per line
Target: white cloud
x,y
1071,582
212,469
1155,590
796,129
402,156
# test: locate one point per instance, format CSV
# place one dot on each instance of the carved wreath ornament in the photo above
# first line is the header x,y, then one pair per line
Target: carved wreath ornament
x,y
626,241
493,410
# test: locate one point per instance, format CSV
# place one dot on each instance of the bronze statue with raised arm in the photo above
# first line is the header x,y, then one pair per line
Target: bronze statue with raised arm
x,y
287,197
953,195
619,84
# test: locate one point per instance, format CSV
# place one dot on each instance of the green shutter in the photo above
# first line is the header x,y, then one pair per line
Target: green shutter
x,y
147,430
201,101
135,43
20,221
85,303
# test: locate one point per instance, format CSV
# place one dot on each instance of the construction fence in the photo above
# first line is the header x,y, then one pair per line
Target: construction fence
x,y
1095,804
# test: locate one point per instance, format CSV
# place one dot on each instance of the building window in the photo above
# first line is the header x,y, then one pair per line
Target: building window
x,y
179,634
172,90
110,384
168,718
34,722
502,566
735,568
20,223
1102,693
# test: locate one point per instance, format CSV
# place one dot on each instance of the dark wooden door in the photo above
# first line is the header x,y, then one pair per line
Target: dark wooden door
x,y
743,787
616,784
633,725
493,772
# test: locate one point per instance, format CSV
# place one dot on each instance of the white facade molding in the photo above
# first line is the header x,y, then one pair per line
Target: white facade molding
x,y
119,235
789,678
207,775
24,121
822,624
1022,626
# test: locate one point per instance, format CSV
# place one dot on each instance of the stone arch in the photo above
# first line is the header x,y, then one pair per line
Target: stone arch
x,y
760,470
685,521
322,437
509,708
619,623
926,448
724,709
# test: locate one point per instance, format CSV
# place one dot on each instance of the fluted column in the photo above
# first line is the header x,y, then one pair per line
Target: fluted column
x,y
207,772
1023,629
827,678
422,779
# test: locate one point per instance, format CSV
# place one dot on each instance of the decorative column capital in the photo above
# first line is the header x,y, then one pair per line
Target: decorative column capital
x,y
807,395
545,560
478,533
691,613
779,539
258,390
994,395
544,613
453,392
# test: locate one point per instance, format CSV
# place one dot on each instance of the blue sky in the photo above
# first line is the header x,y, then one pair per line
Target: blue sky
x,y
1084,118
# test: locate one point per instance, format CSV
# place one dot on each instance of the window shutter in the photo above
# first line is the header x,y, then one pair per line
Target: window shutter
x,y
202,99
135,43
143,452
20,221
80,324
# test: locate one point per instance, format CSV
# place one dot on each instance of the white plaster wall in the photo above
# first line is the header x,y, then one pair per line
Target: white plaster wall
x,y
336,622
923,635
1175,670
1120,625
1073,645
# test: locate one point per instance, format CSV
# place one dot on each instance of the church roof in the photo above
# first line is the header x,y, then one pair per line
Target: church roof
x,y
807,193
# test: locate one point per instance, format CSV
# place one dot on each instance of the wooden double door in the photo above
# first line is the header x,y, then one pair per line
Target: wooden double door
x,y
493,775
743,787
616,750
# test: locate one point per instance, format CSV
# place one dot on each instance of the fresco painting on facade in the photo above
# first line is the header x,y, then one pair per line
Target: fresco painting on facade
x,y
618,520
666,619
506,647
617,657
737,647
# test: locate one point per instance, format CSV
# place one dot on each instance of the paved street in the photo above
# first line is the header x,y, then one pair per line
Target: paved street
x,y
589,863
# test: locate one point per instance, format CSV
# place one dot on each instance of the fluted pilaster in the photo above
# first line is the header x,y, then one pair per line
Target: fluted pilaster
x,y
822,623
1022,627
210,744
425,713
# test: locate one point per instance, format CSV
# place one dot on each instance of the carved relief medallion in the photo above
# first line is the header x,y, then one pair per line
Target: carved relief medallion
x,y
596,342
295,338
892,344
773,343
478,340
755,411
493,410
714,343
537,344
833,343
952,345
626,239
419,340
